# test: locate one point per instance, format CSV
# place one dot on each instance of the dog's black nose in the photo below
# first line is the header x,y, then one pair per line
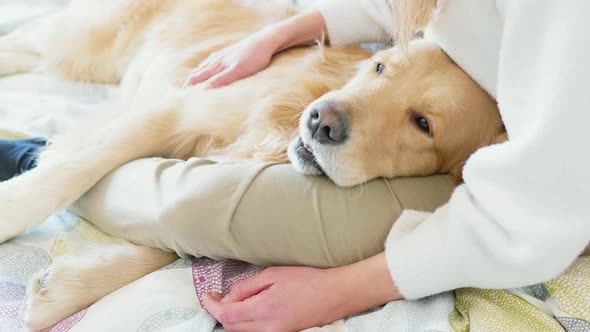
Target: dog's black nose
x,y
327,124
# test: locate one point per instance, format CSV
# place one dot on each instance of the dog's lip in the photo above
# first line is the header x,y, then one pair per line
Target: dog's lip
x,y
305,153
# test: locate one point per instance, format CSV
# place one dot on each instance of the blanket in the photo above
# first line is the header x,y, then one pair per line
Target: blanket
x,y
169,299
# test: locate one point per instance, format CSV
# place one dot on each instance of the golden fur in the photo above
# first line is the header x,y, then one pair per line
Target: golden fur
x,y
149,48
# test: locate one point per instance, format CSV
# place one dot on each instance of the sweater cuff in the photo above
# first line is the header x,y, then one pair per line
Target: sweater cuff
x,y
348,22
417,263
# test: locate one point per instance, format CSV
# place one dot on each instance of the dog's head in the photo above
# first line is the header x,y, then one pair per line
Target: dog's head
x,y
409,114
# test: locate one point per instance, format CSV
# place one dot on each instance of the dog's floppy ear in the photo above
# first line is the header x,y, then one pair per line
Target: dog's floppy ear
x,y
457,171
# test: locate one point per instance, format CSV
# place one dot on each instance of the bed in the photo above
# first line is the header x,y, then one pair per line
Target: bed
x,y
168,299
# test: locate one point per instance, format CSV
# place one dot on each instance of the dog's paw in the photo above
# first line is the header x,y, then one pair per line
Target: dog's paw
x,y
52,296
44,306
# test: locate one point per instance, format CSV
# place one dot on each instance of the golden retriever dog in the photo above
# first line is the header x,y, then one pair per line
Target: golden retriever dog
x,y
343,112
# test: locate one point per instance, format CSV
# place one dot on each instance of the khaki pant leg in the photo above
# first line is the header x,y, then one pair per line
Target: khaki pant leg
x,y
260,213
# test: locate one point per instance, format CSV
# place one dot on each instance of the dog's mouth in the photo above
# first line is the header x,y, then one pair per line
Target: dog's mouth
x,y
306,152
306,156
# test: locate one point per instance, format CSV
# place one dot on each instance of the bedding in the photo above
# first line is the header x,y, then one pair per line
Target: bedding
x,y
168,299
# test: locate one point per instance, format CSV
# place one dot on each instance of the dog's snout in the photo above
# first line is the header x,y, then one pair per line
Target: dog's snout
x,y
327,124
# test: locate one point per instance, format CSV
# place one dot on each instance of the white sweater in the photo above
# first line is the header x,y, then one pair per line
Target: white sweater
x,y
523,214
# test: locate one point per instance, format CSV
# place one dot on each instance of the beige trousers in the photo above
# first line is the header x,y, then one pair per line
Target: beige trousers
x,y
260,213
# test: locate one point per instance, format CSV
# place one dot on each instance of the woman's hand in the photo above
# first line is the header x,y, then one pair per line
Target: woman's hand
x,y
255,53
295,298
279,299
235,62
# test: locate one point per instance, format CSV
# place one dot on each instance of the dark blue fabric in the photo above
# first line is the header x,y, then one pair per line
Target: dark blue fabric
x,y
18,156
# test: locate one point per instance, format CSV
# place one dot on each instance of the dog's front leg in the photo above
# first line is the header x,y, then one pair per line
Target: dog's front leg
x,y
74,163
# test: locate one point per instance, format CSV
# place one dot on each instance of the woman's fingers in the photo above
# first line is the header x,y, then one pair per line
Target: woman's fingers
x,y
201,76
227,76
204,72
247,288
230,313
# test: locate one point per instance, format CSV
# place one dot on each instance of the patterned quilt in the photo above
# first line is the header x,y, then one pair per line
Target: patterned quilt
x,y
168,299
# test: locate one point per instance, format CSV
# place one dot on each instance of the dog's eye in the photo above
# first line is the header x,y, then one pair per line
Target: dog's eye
x,y
422,124
379,68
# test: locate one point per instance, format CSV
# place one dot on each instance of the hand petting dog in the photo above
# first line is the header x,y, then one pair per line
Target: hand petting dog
x,y
251,55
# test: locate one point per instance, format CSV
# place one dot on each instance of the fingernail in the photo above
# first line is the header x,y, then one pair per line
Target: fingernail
x,y
225,299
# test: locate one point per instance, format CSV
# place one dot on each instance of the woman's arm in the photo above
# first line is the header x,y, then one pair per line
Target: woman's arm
x,y
340,21
295,298
302,29
256,212
253,54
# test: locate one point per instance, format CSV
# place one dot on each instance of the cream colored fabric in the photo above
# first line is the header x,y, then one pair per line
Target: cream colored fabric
x,y
7,133
260,213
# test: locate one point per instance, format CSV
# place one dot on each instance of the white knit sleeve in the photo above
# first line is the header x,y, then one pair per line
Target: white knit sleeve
x,y
354,21
523,214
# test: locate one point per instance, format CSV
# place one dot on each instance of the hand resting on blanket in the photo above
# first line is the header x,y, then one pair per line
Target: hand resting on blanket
x,y
278,298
